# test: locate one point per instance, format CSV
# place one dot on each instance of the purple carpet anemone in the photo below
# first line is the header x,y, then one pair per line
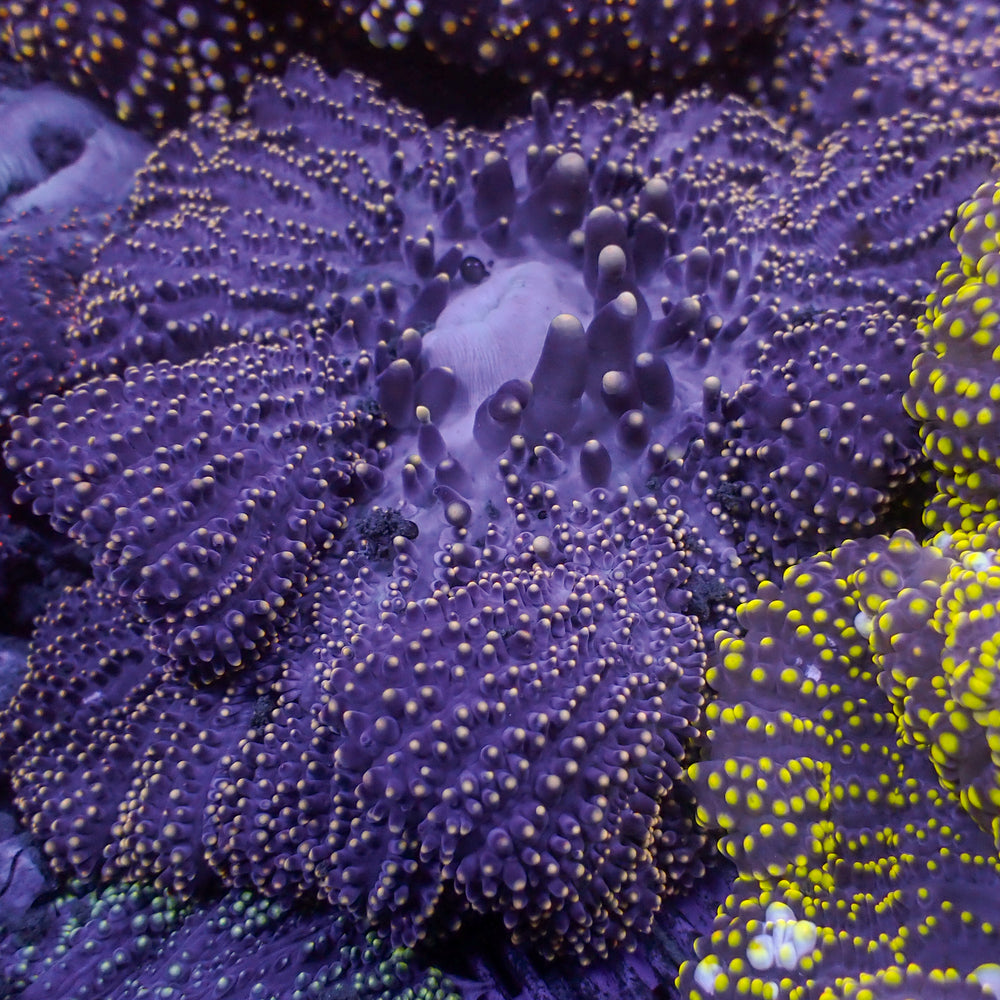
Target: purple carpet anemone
x,y
506,743
841,59
810,446
499,733
239,945
342,218
159,61
212,508
418,469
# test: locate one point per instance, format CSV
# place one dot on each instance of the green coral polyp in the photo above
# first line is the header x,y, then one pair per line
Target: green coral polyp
x,y
935,641
955,384
855,743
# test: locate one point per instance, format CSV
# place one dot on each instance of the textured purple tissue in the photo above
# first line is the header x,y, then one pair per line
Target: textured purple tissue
x,y
844,59
131,60
490,970
352,422
342,219
496,726
290,327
